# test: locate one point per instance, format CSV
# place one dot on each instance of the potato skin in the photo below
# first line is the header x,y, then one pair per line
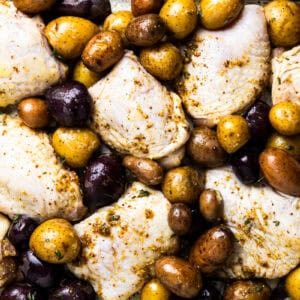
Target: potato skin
x,y
212,249
84,75
285,118
283,19
163,61
143,7
55,241
179,276
103,51
247,290
180,17
155,290
146,170
76,145
183,185
211,205
233,133
180,218
292,284
217,14
281,170
205,149
69,35
33,7
34,112
145,31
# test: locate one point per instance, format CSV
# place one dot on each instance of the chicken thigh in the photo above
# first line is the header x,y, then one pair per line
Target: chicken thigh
x,y
27,67
286,76
33,181
117,5
227,69
266,226
122,241
135,114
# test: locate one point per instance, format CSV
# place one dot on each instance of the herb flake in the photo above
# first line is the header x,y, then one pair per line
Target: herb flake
x,y
256,289
58,255
276,223
143,193
31,296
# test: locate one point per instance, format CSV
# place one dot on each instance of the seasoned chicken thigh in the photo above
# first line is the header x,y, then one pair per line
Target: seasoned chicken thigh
x,y
27,66
135,114
117,5
266,226
122,241
286,76
227,68
33,181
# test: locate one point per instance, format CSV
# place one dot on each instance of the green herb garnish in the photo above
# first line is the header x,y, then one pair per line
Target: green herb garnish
x,y
143,193
58,255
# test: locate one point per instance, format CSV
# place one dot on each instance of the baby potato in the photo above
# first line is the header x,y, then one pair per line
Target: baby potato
x,y
155,290
118,21
292,284
84,75
212,249
216,14
183,184
281,170
143,7
290,144
205,149
180,218
103,51
145,31
211,205
34,112
76,145
283,19
179,276
233,133
146,170
33,7
285,117
55,241
69,35
163,61
247,290
180,17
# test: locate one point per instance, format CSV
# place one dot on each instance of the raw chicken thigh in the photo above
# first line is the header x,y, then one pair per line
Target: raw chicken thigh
x,y
135,114
33,181
122,241
227,69
266,226
27,67
286,76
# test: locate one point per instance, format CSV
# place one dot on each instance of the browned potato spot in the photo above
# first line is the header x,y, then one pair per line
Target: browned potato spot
x,y
142,7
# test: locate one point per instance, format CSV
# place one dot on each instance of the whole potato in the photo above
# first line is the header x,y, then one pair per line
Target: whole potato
x,y
233,133
69,35
118,21
216,14
146,170
283,19
179,276
290,144
84,75
75,145
145,31
211,205
33,7
155,290
180,17
163,61
103,51
183,184
285,117
247,290
55,241
212,249
143,7
205,149
34,112
180,218
292,284
281,170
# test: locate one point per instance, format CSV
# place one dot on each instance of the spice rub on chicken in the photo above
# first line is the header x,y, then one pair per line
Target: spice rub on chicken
x,y
122,241
136,114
